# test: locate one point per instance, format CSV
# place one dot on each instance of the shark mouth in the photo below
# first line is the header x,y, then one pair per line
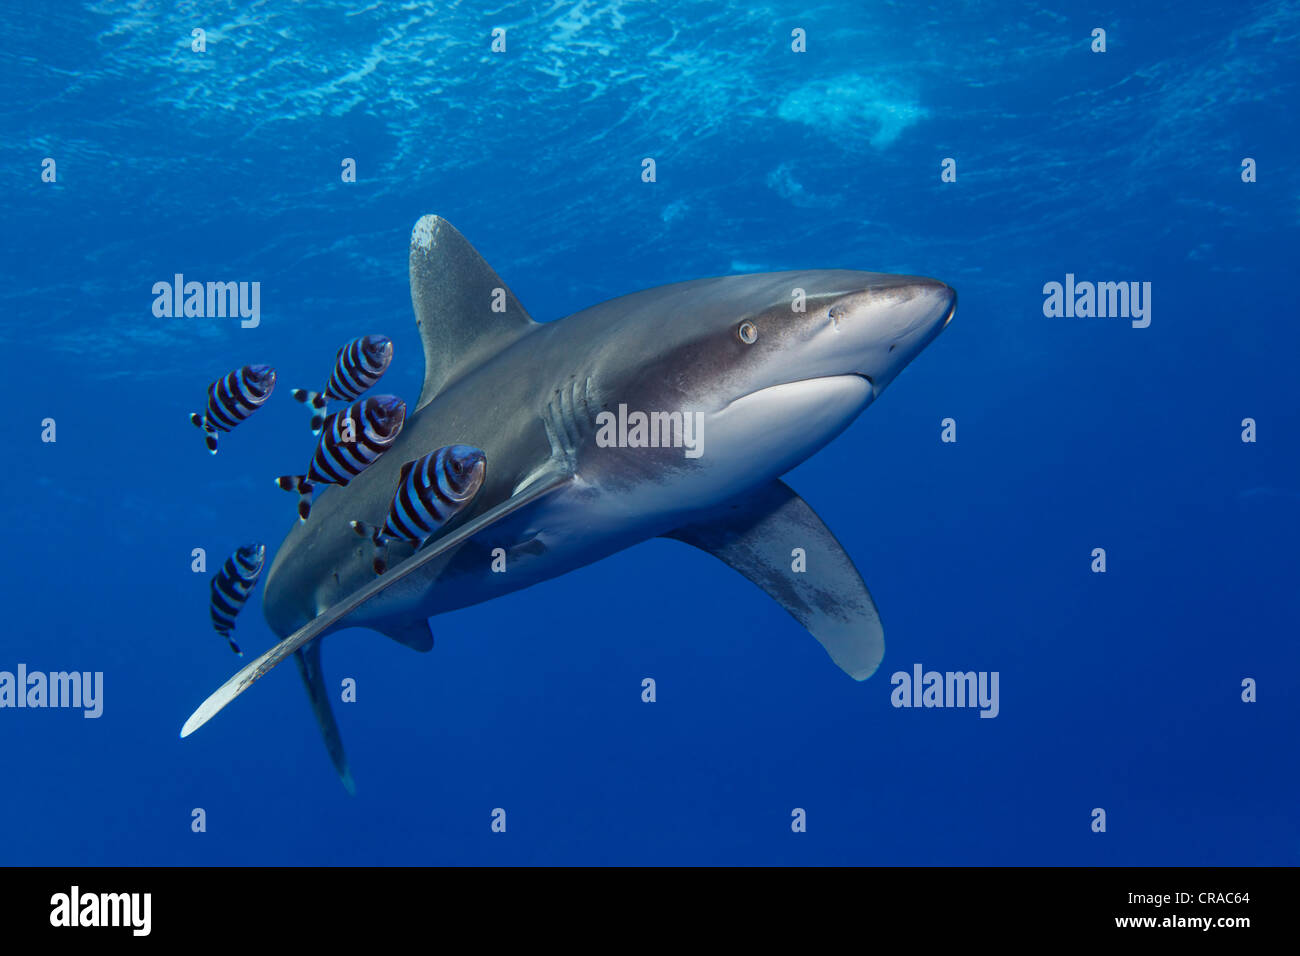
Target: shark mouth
x,y
802,386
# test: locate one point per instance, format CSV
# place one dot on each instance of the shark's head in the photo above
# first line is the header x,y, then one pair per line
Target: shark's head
x,y
377,351
774,366
800,327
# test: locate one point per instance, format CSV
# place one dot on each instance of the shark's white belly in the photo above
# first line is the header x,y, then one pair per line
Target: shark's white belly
x,y
569,530
620,501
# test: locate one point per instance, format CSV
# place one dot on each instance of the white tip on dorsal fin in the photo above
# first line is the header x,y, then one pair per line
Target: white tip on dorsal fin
x,y
458,301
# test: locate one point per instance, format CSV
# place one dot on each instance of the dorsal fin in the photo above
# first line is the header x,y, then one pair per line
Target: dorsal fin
x,y
452,293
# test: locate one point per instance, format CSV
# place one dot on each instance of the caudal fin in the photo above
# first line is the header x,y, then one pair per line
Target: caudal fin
x,y
317,403
300,484
310,668
222,625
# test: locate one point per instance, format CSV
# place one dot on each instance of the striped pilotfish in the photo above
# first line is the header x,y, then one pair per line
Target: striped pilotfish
x,y
231,587
351,441
357,366
232,398
430,492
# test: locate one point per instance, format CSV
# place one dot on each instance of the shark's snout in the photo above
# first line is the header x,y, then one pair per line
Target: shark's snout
x,y
907,307
876,331
937,306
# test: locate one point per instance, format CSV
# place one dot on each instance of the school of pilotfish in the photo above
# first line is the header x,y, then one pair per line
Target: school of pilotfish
x,y
430,492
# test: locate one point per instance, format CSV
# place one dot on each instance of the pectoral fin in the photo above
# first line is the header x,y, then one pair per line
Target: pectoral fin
x,y
543,484
758,534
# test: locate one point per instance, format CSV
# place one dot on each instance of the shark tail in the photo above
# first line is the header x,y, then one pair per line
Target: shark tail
x,y
313,677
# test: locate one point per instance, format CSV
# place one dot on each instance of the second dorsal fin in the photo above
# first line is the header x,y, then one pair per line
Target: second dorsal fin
x,y
453,292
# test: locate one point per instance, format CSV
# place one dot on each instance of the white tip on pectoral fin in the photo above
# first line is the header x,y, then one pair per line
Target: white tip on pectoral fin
x,y
759,534
328,619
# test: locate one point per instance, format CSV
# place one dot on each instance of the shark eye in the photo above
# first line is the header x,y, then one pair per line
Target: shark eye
x,y
748,333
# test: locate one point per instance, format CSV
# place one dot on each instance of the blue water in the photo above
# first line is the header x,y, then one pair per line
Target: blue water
x,y
1119,691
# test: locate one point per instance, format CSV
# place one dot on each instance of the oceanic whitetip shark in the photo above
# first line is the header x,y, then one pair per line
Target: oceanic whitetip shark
x,y
757,371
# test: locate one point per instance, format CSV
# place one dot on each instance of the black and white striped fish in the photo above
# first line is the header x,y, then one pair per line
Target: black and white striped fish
x,y
232,398
352,440
231,587
431,491
357,366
